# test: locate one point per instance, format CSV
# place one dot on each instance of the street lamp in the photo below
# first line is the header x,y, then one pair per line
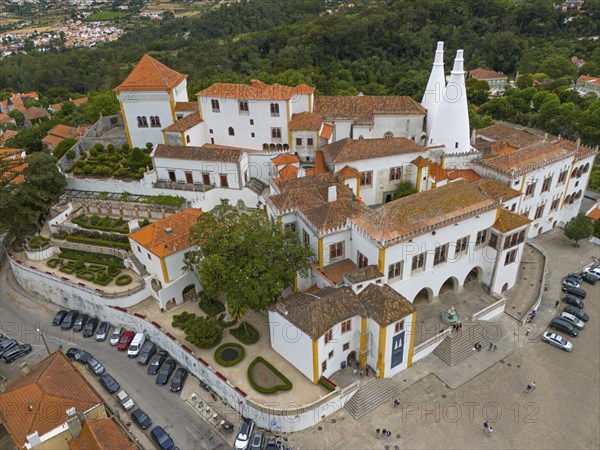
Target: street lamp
x,y
43,339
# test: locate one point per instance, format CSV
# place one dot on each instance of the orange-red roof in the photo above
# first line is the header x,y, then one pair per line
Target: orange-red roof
x,y
509,221
186,106
101,434
591,80
306,121
185,123
288,173
348,172
320,166
484,74
150,75
169,235
594,214
80,101
13,163
468,174
39,400
52,140
326,131
256,90
285,158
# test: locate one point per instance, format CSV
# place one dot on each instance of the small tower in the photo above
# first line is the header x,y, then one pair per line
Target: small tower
x,y
451,124
147,98
433,93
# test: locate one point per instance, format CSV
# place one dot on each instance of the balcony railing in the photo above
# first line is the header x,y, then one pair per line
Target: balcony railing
x,y
182,186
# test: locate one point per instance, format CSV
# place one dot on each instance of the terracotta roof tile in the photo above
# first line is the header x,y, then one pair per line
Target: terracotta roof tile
x,y
508,221
208,152
591,80
80,101
150,75
35,112
362,108
13,162
186,106
65,131
515,137
285,158
528,158
348,150
365,274
496,190
348,172
334,273
101,434
418,213
484,74
185,123
306,121
421,162
256,90
52,386
467,174
52,140
326,131
157,238
288,173
594,214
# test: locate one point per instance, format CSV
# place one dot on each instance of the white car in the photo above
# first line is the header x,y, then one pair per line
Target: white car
x,y
595,270
116,336
572,319
125,400
558,341
243,437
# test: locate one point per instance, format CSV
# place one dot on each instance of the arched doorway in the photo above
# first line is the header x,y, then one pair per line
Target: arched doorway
x,y
450,285
189,293
473,275
424,296
351,358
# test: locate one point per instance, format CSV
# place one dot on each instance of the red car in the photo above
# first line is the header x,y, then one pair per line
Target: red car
x,y
125,340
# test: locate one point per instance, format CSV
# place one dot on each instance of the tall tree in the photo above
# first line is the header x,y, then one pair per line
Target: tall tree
x,y
578,228
246,258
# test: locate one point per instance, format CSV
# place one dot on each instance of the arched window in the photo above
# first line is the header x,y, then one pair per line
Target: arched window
x,y
274,109
265,146
586,168
214,103
144,121
154,121
231,131
286,147
272,147
388,134
361,137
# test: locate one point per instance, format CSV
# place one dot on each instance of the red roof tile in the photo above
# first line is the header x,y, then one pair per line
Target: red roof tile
x,y
348,150
591,80
306,121
484,74
150,75
348,172
362,108
256,90
185,123
285,158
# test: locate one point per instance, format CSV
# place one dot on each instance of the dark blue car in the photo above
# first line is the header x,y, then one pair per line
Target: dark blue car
x,y
161,437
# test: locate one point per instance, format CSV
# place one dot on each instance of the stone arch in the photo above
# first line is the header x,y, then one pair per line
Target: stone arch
x,y
423,296
474,275
388,134
286,147
505,287
241,205
265,146
279,147
272,147
189,292
450,285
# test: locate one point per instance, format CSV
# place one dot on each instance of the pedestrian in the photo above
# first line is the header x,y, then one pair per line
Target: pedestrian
x,y
460,325
490,429
485,425
389,433
377,432
361,373
490,347
354,373
367,370
495,347
556,303
527,331
532,385
383,432
396,402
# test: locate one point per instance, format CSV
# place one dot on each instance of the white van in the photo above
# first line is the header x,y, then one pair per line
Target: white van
x,y
136,345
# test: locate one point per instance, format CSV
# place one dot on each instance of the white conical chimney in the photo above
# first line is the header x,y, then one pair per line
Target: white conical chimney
x,y
435,85
451,124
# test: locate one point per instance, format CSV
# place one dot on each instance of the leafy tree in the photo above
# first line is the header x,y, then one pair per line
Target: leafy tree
x,y
404,189
103,103
63,147
596,232
478,91
237,313
18,116
205,332
246,258
578,228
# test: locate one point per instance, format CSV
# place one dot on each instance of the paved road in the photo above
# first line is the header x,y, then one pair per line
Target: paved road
x,y
21,315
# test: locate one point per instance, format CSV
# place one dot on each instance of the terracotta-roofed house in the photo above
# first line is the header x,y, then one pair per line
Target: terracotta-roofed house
x,y
61,132
13,162
34,114
185,131
586,85
380,162
307,134
372,309
34,406
101,434
496,80
161,248
515,137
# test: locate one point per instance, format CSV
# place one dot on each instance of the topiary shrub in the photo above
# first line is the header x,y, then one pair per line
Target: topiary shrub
x,y
86,275
246,333
210,306
183,320
228,358
123,280
205,332
110,148
265,378
71,154
98,146
54,262
93,151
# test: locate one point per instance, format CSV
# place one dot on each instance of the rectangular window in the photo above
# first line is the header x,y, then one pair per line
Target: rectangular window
x,y
366,178
418,262
481,238
336,250
547,183
511,257
330,355
493,240
274,110
309,142
305,237
395,270
346,346
346,326
530,189
224,181
324,366
539,212
362,260
205,179
290,226
252,135
554,204
298,141
395,173
211,131
399,326
149,257
251,121
462,245
243,105
526,212
215,105
329,336
276,133
441,255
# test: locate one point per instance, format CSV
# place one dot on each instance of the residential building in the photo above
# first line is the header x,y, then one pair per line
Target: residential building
x,y
161,248
17,101
496,80
35,114
61,132
587,85
13,162
101,434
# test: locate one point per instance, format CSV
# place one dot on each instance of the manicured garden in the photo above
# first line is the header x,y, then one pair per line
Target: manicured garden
x,y
89,237
95,222
114,162
229,354
37,242
94,267
265,378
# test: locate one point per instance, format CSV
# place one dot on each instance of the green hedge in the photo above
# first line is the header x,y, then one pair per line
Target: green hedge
x,y
99,242
233,362
54,262
169,200
123,280
326,384
106,224
37,242
86,275
286,386
210,306
183,319
91,257
246,333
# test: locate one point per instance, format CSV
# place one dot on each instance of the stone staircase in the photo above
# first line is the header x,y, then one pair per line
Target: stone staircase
x,y
458,346
256,186
372,392
138,265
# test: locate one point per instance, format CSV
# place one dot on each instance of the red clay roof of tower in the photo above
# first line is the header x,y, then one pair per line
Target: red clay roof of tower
x,y
150,75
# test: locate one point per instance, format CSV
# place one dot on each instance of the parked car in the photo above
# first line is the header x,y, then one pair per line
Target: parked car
x,y
125,340
156,362
102,331
141,418
109,383
16,352
243,437
148,351
594,269
59,317
80,322
590,278
258,440
125,400
563,325
558,341
69,319
95,366
72,352
7,345
165,371
90,327
136,345
572,320
116,336
178,379
84,357
572,300
571,281
271,443
577,313
161,437
576,291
